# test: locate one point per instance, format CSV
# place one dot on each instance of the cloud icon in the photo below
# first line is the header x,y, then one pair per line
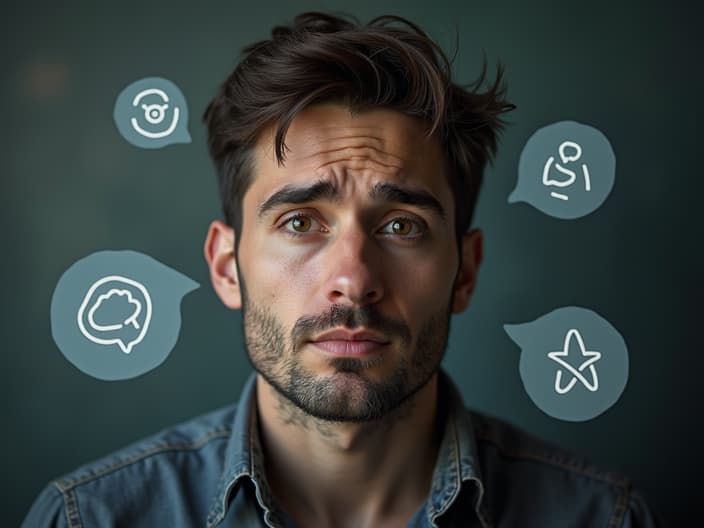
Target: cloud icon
x,y
152,113
124,332
117,314
131,320
574,363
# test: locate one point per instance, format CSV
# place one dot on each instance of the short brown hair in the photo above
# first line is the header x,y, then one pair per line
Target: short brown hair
x,y
389,62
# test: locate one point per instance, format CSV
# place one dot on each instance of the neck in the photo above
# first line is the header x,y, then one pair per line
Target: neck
x,y
334,473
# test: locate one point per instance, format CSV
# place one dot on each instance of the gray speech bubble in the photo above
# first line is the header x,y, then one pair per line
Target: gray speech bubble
x,y
574,363
116,314
566,170
152,113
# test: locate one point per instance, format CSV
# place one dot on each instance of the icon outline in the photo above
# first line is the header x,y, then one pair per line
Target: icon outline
x,y
126,348
593,356
572,176
154,120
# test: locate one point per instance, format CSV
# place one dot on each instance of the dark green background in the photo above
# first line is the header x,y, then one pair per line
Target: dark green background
x,y
71,186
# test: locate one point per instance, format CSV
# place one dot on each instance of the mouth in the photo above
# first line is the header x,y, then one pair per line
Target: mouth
x,y
344,343
350,348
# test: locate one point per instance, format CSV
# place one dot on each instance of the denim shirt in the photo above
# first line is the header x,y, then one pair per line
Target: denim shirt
x,y
209,472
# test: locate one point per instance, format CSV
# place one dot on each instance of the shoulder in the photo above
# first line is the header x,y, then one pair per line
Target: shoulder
x,y
503,443
183,459
195,438
525,477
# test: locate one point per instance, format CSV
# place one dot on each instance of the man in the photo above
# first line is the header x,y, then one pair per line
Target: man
x,y
349,165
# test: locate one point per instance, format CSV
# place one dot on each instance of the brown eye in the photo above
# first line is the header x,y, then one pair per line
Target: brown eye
x,y
401,227
404,228
301,224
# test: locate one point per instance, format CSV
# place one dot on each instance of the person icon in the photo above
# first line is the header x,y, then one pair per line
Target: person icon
x,y
569,151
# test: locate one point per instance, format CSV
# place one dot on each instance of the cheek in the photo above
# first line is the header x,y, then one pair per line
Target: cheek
x,y
281,274
423,283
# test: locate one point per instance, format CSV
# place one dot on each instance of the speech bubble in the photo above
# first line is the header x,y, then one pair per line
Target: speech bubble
x,y
116,314
566,170
151,113
574,363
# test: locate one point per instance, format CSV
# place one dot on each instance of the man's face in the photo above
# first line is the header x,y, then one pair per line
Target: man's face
x,y
347,262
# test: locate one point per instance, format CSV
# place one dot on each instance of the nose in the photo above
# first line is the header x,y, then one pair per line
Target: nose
x,y
354,270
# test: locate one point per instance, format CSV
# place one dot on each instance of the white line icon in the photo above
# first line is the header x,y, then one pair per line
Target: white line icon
x,y
131,320
592,357
154,113
571,175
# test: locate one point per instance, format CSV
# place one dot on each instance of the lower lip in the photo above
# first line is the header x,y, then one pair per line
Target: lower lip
x,y
350,348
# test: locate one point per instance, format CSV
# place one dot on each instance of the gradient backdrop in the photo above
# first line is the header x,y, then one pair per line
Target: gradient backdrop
x,y
72,186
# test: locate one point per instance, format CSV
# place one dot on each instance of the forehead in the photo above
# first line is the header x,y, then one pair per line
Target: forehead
x,y
357,150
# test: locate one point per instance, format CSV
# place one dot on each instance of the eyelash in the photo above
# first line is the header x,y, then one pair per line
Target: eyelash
x,y
295,234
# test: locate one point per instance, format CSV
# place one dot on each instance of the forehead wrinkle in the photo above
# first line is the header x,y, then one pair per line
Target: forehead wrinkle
x,y
322,144
375,133
363,165
358,153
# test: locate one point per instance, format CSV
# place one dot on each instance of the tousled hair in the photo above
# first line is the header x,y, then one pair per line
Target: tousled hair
x,y
388,62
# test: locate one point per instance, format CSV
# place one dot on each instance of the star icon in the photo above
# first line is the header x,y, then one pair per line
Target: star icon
x,y
573,338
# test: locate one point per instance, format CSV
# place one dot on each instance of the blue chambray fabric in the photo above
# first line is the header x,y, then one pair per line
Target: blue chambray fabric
x,y
209,472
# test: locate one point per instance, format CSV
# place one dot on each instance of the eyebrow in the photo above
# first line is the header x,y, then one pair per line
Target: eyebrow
x,y
325,190
290,194
389,192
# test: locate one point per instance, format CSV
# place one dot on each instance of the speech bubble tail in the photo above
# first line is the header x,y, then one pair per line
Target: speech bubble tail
x,y
513,197
189,285
185,283
125,347
514,332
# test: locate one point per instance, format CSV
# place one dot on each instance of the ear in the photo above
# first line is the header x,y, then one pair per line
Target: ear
x,y
471,258
219,252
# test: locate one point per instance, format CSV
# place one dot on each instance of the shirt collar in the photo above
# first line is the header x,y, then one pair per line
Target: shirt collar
x,y
456,465
243,458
